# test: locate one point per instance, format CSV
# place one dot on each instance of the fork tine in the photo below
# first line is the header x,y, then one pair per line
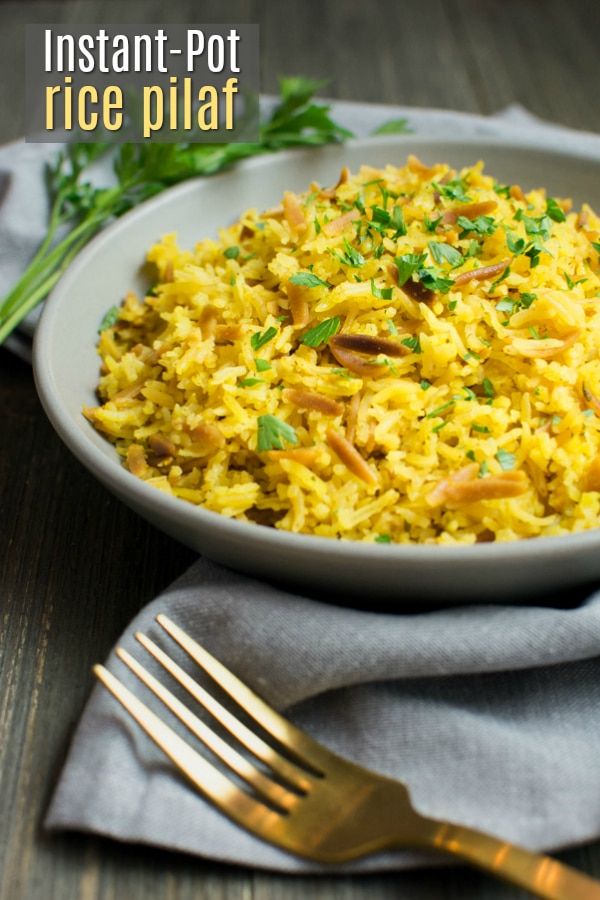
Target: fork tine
x,y
267,789
227,796
285,769
300,744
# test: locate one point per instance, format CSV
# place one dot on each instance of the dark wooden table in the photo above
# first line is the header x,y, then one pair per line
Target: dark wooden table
x,y
76,565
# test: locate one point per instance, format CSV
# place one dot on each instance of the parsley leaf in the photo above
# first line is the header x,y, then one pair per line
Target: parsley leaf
x,y
445,253
488,388
308,279
272,432
259,339
407,265
413,343
262,365
351,256
231,252
321,333
381,293
431,279
383,539
250,382
454,190
515,245
596,246
479,225
110,317
554,211
506,460
394,126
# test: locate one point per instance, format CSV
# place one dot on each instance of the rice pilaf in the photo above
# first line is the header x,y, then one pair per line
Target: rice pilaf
x,y
411,355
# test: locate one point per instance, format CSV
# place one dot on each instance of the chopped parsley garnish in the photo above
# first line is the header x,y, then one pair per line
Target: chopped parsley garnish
x,y
533,331
440,409
501,278
453,190
383,539
480,225
250,382
110,318
272,432
381,293
507,305
431,224
308,279
231,252
437,428
488,388
596,246
321,333
554,211
391,327
431,279
536,227
483,469
445,253
413,344
262,365
407,265
351,256
470,454
259,339
515,245
425,385
503,190
482,429
382,219
506,460
570,283
527,299
469,393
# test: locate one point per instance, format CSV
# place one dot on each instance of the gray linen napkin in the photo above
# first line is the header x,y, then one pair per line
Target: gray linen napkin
x,y
487,713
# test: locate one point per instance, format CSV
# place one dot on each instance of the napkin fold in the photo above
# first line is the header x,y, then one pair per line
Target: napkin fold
x,y
488,713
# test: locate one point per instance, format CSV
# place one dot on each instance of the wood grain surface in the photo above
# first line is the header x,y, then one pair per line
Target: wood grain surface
x,y
76,565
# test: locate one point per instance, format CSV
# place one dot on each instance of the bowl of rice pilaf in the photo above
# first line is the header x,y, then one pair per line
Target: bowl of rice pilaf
x,y
407,354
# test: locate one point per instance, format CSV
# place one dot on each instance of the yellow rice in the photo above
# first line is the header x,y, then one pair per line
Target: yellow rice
x,y
471,393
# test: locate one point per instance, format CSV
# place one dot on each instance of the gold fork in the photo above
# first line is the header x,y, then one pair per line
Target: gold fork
x,y
304,798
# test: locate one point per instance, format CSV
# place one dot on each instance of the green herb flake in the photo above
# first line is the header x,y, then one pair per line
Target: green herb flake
x,y
351,256
380,293
596,246
425,385
308,279
259,339
506,460
440,409
320,334
469,393
452,305
507,305
453,190
470,454
407,265
515,245
413,344
483,469
262,365
394,126
250,382
503,190
445,253
391,327
488,388
344,373
534,332
431,224
482,225
272,433
231,252
556,420
482,429
383,539
437,428
110,318
554,211
527,299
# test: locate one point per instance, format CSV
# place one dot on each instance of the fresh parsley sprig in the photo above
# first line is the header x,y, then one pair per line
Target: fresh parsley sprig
x,y
79,209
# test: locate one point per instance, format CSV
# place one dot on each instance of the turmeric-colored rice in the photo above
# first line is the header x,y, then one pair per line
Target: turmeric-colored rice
x,y
330,367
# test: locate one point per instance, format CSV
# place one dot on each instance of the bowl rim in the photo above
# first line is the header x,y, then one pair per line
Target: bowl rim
x,y
111,471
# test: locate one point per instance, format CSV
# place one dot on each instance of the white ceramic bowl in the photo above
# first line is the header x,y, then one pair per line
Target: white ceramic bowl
x,y
66,371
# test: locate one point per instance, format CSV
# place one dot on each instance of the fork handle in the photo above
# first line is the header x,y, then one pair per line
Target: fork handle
x,y
543,876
